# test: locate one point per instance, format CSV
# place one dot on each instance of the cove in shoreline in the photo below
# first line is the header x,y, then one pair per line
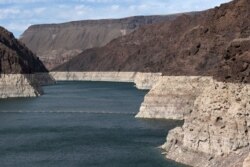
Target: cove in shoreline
x,y
102,131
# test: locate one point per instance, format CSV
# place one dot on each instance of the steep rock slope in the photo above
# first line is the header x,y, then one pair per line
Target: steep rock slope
x,y
235,64
215,43
172,97
17,65
217,131
57,43
16,58
142,80
188,45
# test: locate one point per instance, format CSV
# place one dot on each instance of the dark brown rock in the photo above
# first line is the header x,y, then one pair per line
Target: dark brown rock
x,y
16,57
235,66
188,45
55,44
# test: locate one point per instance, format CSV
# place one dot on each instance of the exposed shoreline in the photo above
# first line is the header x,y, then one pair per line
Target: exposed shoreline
x,y
23,85
144,81
29,85
215,114
18,85
172,97
191,98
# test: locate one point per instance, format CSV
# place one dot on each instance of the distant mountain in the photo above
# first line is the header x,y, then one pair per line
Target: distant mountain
x,y
214,42
55,44
15,57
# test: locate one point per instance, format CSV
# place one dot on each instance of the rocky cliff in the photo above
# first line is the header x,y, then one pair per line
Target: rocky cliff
x,y
19,85
190,45
216,131
236,59
55,44
172,97
214,43
17,67
141,80
15,57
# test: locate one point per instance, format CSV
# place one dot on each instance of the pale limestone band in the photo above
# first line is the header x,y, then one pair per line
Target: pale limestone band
x,y
216,114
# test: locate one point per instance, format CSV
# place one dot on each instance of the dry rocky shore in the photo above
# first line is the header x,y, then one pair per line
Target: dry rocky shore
x,y
214,47
21,72
205,63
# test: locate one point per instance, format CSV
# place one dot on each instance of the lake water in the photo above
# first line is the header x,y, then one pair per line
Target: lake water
x,y
81,124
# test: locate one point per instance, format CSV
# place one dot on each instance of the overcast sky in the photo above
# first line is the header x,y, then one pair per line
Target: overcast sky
x,y
18,15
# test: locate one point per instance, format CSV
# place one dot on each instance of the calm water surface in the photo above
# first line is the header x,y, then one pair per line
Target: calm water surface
x,y
81,124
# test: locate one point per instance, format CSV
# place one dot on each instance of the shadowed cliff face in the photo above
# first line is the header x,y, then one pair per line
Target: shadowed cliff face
x,y
15,58
55,44
188,45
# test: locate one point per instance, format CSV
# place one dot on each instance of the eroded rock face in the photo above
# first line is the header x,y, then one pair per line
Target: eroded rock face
x,y
217,128
141,80
146,80
15,57
55,44
246,162
94,76
236,63
190,45
18,85
221,119
172,97
17,67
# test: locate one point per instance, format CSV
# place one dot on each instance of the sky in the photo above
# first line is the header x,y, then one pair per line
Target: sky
x,y
18,15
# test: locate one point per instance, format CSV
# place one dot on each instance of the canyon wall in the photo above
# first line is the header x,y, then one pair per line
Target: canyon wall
x,y
18,66
15,57
23,85
42,79
55,44
190,45
217,119
216,114
142,80
214,43
18,85
172,97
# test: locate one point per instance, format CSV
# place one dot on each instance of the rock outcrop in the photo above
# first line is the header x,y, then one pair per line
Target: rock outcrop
x,y
217,127
216,111
146,80
18,66
217,131
141,80
236,61
18,85
172,97
246,162
15,57
190,45
55,44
